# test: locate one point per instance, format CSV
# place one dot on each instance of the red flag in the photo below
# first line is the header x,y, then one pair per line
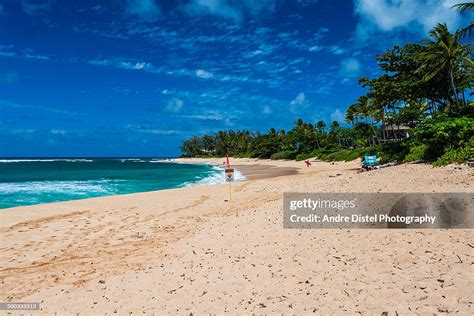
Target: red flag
x,y
227,160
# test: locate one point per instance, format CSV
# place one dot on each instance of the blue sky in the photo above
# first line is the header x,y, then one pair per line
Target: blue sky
x,y
135,77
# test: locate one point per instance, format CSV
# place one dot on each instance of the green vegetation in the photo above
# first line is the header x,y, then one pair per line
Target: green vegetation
x,y
418,109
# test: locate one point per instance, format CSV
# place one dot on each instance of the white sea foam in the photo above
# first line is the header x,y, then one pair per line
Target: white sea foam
x,y
44,160
81,188
217,177
132,160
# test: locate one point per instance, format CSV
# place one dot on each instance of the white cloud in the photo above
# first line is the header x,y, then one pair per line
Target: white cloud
x,y
58,132
144,9
336,50
338,116
153,130
203,74
6,51
350,67
388,15
267,110
315,48
125,64
174,105
135,65
210,115
36,56
35,7
228,9
298,102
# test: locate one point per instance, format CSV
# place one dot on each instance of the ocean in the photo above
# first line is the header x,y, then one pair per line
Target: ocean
x,y
35,181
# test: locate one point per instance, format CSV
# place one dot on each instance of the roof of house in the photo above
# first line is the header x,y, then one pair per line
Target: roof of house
x,y
395,127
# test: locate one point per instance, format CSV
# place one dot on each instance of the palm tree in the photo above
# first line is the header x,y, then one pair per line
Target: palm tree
x,y
320,126
444,53
466,8
351,114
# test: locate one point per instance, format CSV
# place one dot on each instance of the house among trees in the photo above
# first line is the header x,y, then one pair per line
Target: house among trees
x,y
394,132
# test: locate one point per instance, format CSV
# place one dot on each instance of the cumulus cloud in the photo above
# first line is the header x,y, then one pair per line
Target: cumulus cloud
x,y
338,116
389,15
147,10
203,74
228,9
350,67
174,105
299,102
267,110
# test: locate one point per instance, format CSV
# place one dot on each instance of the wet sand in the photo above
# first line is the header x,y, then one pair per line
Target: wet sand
x,y
252,172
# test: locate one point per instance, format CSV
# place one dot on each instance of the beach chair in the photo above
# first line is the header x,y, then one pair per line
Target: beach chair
x,y
470,161
370,162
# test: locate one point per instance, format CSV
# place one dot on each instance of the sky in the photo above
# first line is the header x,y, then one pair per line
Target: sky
x,y
136,77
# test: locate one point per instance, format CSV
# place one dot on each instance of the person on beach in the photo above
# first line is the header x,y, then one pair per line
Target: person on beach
x,y
307,163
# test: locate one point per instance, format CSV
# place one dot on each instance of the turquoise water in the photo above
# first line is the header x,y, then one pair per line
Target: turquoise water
x,y
34,181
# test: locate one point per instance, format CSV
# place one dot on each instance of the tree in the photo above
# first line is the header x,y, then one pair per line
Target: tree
x,y
320,125
444,53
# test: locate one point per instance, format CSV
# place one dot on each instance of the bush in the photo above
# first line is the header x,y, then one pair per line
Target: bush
x,y
392,151
342,154
321,153
283,155
443,134
459,155
304,156
416,153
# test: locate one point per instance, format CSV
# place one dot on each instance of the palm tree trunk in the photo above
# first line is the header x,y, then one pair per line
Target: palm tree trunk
x,y
454,87
384,129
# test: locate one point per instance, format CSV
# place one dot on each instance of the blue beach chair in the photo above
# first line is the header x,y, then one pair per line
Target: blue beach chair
x,y
370,162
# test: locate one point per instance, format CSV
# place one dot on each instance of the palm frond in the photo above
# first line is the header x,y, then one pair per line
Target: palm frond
x,y
464,7
467,31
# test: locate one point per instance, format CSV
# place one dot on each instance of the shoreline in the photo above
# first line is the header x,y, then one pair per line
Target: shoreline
x,y
250,168
248,171
141,252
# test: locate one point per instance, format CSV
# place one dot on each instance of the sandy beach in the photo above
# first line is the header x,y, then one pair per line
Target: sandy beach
x,y
187,250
